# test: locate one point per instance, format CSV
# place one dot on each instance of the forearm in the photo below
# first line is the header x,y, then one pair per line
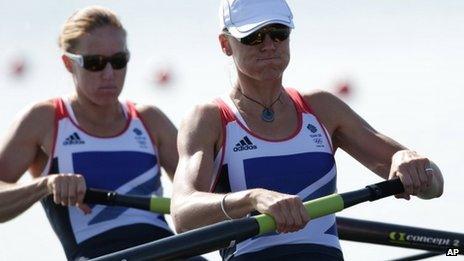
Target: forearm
x,y
436,188
16,198
375,153
202,208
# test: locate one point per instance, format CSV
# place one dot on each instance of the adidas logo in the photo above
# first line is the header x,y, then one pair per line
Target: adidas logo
x,y
73,139
245,144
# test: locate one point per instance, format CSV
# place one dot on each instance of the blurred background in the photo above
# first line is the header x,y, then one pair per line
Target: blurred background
x,y
398,63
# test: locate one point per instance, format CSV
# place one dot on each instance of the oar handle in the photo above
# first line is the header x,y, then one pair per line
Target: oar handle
x,y
111,198
385,189
99,196
160,205
336,202
315,208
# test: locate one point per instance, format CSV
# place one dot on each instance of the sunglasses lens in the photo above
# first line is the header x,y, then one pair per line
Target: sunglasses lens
x,y
277,33
119,60
94,62
252,39
97,63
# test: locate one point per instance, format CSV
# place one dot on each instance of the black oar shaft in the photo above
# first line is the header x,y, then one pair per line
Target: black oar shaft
x,y
372,192
418,256
399,236
191,243
111,198
97,196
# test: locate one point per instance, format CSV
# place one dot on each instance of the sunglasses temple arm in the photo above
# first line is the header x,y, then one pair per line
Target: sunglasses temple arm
x,y
75,57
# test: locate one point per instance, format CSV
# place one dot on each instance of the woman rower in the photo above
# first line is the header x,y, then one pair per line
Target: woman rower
x,y
267,148
90,139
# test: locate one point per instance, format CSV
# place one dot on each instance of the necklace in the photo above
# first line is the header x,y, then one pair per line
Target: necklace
x,y
267,114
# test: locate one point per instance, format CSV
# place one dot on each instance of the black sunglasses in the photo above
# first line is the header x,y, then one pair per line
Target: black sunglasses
x,y
277,33
97,63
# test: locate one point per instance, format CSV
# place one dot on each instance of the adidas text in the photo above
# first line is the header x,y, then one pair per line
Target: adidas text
x,y
244,144
246,147
73,139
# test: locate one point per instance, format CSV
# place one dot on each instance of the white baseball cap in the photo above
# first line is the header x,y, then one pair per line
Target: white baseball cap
x,y
243,17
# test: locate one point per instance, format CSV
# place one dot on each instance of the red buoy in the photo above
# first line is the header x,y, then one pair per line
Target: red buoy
x,y
343,89
162,76
17,67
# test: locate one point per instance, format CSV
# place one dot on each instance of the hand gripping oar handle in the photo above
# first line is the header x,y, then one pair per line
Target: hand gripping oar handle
x,y
111,198
219,235
337,202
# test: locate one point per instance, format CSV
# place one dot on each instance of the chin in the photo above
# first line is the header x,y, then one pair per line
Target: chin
x,y
263,72
270,72
106,99
268,78
270,75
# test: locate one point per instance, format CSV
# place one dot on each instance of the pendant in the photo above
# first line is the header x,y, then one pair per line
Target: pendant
x,y
267,115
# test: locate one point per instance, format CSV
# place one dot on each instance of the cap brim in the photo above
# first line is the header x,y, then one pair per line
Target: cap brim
x,y
245,30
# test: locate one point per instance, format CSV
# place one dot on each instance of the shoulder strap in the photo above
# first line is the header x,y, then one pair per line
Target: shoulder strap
x,y
226,113
131,110
300,103
60,109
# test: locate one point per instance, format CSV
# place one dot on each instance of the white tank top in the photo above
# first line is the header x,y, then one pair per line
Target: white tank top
x,y
302,164
127,163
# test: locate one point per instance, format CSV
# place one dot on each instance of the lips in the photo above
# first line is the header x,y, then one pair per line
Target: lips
x,y
108,90
267,58
107,87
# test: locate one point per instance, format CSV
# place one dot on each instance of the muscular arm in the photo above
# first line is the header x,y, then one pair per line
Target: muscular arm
x,y
379,153
17,153
28,141
193,206
17,198
165,134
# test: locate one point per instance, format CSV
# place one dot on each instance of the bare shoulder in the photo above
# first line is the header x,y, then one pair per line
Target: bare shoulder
x,y
38,117
206,113
204,117
201,125
321,100
33,127
151,114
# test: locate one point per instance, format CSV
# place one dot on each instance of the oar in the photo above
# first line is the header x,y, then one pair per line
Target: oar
x,y
111,198
418,256
222,234
399,236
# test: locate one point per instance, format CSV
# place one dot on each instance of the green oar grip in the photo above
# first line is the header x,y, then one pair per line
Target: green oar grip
x,y
315,208
160,205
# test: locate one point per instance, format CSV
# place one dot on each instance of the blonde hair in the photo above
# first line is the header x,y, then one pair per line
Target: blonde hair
x,y
84,21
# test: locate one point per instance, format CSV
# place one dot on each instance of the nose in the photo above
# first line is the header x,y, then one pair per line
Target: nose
x,y
268,43
108,72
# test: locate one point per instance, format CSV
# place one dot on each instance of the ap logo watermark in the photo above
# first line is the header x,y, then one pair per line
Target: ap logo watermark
x,y
452,252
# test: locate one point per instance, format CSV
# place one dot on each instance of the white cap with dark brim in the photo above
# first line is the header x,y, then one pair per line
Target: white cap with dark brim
x,y
243,17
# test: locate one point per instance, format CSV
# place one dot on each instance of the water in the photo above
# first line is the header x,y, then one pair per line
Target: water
x,y
404,60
